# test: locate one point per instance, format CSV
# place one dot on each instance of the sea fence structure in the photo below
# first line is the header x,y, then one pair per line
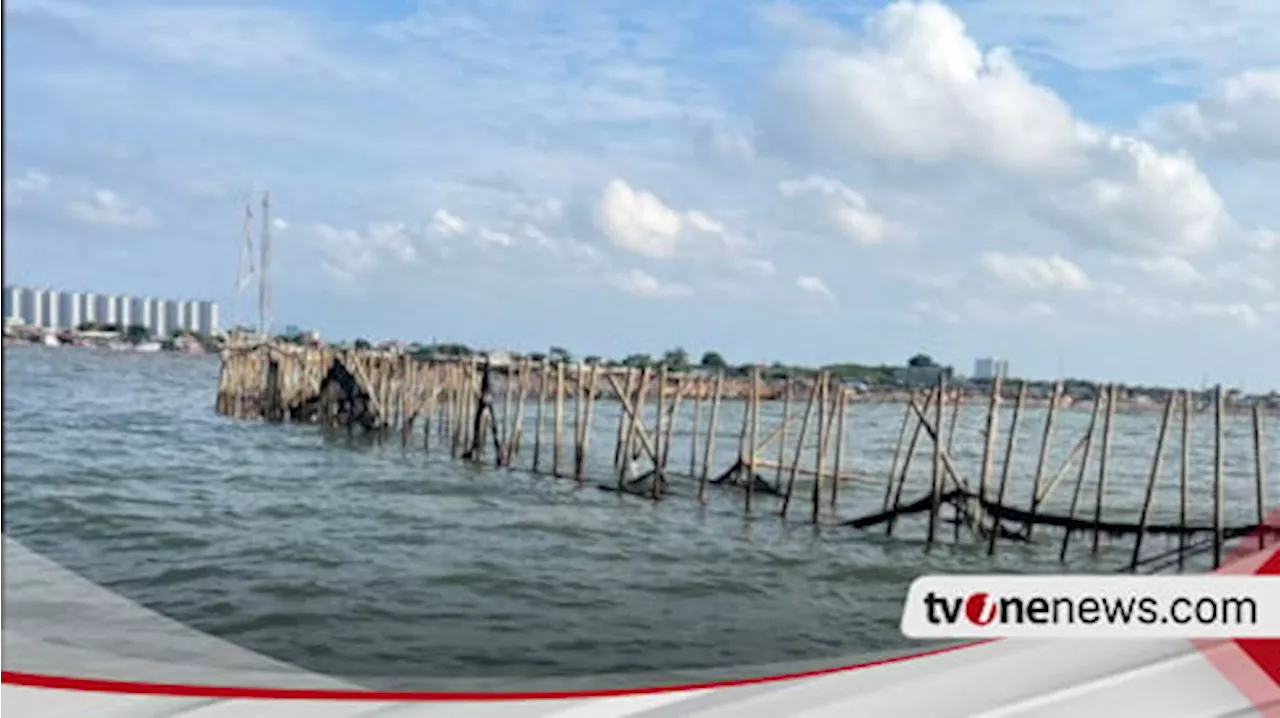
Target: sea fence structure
x,y
1003,471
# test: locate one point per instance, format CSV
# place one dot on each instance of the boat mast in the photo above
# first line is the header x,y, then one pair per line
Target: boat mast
x,y
264,286
245,269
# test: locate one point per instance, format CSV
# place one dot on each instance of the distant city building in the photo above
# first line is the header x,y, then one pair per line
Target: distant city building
x,y
88,307
69,310
49,310
173,316
207,318
916,376
12,303
990,368
33,307
159,326
191,315
140,312
105,309
124,311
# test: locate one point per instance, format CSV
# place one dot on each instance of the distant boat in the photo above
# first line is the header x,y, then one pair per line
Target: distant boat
x,y
50,340
148,347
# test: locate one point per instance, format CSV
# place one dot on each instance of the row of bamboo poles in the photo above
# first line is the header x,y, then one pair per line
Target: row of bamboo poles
x,y
459,407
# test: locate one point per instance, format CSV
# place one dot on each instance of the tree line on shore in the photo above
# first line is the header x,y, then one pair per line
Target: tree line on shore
x,y
679,359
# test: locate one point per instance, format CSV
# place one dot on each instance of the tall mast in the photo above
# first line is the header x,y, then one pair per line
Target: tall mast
x,y
245,269
264,286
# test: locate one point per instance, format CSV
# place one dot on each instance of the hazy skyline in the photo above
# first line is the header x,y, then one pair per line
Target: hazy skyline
x,y
1080,189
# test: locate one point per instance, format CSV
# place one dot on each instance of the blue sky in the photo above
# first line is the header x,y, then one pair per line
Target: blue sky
x,y
1081,189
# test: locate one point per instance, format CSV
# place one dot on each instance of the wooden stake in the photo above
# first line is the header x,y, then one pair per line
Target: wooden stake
x,y
1259,474
655,487
907,416
629,391
1008,463
782,429
1084,466
557,447
754,409
1184,471
1054,398
1218,445
988,445
795,462
911,452
708,454
823,420
1102,466
841,407
936,486
1151,482
693,426
590,394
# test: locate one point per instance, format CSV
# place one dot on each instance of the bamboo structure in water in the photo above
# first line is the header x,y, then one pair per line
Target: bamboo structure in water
x,y
476,411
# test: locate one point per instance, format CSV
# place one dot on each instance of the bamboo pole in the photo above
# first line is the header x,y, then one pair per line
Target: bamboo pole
x,y
1054,398
537,415
907,416
1008,463
782,429
656,486
1103,461
708,454
823,421
694,425
629,394
988,445
1084,466
590,394
1184,471
681,388
1259,474
754,408
1218,446
935,489
911,452
795,462
1151,482
842,396
635,421
557,448
517,430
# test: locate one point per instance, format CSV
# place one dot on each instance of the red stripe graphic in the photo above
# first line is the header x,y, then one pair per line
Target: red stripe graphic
x,y
36,680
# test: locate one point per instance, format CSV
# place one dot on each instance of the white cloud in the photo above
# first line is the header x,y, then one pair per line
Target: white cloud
x,y
106,209
1130,306
349,254
1035,273
642,284
1237,116
975,310
447,224
917,92
639,222
1167,269
17,190
815,286
840,209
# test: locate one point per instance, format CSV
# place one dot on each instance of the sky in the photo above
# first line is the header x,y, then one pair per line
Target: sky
x,y
1085,189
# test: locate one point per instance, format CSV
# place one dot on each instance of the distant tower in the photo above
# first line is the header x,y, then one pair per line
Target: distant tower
x,y
264,266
